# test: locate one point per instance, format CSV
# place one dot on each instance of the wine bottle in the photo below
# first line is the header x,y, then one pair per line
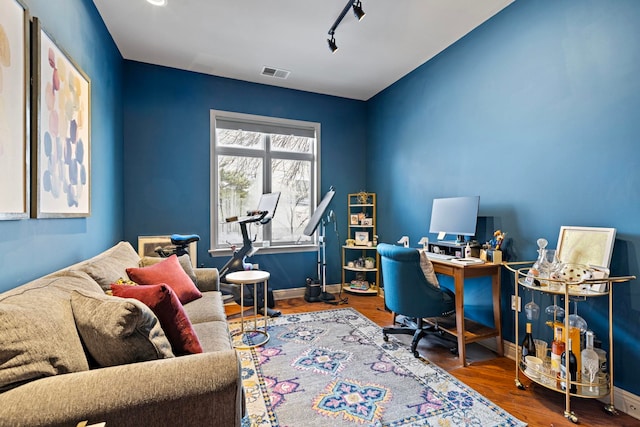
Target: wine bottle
x,y
573,369
557,348
528,346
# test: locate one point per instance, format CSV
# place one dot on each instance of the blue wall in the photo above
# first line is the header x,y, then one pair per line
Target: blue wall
x,y
31,248
166,162
537,112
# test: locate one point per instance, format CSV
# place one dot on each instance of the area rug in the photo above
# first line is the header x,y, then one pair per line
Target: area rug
x,y
333,368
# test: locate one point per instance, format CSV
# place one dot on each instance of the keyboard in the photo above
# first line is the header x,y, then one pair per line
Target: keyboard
x,y
439,256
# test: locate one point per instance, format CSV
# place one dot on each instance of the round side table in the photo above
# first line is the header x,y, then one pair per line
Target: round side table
x,y
251,337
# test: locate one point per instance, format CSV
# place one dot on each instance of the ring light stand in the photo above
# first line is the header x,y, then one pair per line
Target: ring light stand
x,y
317,219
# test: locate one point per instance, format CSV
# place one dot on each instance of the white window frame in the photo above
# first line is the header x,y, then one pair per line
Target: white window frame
x,y
270,122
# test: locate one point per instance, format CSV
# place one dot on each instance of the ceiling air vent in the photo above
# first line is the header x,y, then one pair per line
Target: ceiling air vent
x,y
275,72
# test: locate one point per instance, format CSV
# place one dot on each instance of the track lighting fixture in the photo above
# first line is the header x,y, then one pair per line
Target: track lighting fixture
x,y
357,11
332,43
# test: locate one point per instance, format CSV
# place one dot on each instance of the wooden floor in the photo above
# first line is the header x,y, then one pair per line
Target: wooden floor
x,y
488,374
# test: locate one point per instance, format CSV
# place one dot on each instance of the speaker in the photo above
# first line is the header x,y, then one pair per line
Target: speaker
x,y
312,291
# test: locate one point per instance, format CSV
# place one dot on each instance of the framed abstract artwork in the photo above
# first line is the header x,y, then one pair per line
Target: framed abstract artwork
x,y
61,131
14,110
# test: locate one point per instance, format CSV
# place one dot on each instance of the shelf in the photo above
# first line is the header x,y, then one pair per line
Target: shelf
x,y
357,212
596,390
370,291
346,267
473,331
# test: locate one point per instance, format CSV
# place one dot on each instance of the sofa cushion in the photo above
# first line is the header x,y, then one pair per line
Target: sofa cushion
x,y
38,336
185,263
214,335
169,272
209,307
167,307
118,331
111,264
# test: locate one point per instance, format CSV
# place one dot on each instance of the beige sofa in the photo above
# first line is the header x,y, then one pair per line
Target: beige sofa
x,y
46,377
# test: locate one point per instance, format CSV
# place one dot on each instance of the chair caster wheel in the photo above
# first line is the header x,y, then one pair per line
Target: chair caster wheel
x,y
416,354
454,351
385,338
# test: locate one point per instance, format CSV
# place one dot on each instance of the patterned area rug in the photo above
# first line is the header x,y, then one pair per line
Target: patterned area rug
x,y
332,368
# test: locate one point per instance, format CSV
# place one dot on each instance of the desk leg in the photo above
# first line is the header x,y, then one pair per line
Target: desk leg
x,y
458,281
495,284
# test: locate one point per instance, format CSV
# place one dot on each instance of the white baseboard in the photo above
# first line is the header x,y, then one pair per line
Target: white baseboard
x,y
279,294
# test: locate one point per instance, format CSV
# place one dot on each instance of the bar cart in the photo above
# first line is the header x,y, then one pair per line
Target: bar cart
x,y
584,288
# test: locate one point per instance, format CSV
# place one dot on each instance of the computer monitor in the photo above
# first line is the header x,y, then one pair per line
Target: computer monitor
x,y
455,215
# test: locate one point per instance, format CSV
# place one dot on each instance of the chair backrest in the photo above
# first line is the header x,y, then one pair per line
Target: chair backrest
x,y
406,291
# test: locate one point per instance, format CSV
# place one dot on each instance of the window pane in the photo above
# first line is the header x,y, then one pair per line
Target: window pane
x,y
291,143
239,138
240,184
291,178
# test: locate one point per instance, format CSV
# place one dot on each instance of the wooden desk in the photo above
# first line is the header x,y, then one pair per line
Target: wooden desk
x,y
468,331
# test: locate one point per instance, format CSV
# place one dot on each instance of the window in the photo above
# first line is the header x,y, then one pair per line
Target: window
x,y
252,155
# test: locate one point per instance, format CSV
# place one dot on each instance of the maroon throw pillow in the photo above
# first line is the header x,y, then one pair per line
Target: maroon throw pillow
x,y
168,272
166,306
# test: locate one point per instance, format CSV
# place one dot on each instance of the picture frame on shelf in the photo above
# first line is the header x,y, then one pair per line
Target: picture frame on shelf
x,y
361,238
354,219
60,131
14,110
367,221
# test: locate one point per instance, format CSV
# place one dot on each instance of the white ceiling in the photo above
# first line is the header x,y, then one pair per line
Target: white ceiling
x,y
236,39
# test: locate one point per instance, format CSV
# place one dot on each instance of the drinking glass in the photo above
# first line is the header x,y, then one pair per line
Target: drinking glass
x,y
541,349
555,310
531,309
575,320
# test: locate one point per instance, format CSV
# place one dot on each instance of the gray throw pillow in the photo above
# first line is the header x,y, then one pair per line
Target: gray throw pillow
x,y
38,336
111,265
118,331
427,269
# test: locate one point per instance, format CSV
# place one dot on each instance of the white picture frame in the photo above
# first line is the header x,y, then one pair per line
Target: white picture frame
x,y
147,247
362,238
586,245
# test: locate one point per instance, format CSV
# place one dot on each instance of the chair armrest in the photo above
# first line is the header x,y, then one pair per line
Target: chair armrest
x,y
195,390
208,279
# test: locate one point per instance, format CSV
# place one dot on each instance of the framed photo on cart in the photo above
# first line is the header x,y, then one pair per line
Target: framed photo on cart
x,y
586,245
362,238
367,221
354,220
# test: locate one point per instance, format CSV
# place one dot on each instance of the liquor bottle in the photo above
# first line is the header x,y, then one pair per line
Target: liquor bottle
x,y
528,346
590,362
573,369
557,348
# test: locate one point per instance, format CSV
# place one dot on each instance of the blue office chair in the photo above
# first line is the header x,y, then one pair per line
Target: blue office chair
x,y
407,292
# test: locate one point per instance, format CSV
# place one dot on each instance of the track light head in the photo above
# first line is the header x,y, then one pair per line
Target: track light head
x,y
357,10
332,44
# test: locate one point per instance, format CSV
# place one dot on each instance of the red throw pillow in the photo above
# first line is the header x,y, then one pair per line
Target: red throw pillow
x,y
168,272
165,305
